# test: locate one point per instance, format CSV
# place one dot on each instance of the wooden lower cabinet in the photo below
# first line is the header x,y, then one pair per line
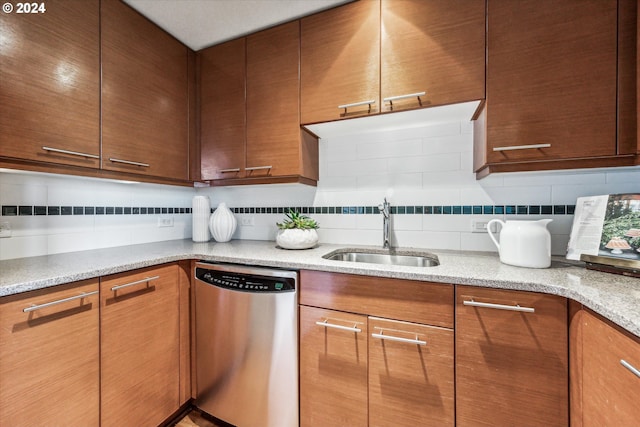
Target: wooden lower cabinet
x,y
610,387
140,347
333,368
511,362
49,358
411,375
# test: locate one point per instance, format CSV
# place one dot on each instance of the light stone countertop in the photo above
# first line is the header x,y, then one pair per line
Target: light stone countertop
x,y
615,297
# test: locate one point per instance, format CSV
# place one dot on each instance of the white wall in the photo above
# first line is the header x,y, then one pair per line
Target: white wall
x,y
425,166
34,235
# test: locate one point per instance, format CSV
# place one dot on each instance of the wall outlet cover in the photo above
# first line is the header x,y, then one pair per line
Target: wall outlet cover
x,y
5,229
165,222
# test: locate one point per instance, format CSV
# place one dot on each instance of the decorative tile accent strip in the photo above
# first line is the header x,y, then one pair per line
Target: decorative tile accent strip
x,y
418,210
13,210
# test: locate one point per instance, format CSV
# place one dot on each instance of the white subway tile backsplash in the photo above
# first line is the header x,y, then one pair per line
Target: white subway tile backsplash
x,y
407,148
436,162
421,168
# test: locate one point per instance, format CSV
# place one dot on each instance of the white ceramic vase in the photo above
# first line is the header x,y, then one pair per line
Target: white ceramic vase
x,y
295,238
200,212
222,223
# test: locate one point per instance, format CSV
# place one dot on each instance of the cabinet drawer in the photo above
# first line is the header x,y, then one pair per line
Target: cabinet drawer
x,y
512,346
411,374
333,368
140,346
610,386
412,301
49,367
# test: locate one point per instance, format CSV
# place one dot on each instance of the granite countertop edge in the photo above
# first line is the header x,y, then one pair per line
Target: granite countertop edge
x,y
615,297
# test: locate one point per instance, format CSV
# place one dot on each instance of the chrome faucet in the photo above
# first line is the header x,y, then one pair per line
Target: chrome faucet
x,y
385,210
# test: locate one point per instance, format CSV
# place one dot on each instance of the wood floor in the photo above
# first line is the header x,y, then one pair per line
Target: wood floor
x,y
195,419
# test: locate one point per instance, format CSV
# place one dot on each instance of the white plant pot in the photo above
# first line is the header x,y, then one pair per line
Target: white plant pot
x,y
222,223
295,238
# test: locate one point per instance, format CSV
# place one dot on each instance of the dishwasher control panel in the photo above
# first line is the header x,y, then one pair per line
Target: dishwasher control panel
x,y
245,282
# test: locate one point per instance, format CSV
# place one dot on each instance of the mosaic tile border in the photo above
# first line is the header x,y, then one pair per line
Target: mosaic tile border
x,y
14,210
420,210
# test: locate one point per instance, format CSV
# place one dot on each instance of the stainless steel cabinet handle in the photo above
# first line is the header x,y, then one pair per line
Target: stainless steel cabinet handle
x,y
630,367
399,339
473,303
522,147
256,168
357,104
390,99
73,153
60,301
137,282
229,170
129,162
342,328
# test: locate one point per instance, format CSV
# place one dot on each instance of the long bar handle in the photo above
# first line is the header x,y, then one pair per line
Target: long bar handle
x,y
473,303
358,104
399,339
390,99
257,168
630,367
342,328
137,282
73,153
522,147
56,302
129,162
229,170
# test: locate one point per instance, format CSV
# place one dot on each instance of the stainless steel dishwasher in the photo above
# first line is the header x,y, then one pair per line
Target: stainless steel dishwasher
x,y
247,344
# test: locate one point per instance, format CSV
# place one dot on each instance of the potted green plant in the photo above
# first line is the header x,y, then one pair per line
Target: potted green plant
x,y
297,231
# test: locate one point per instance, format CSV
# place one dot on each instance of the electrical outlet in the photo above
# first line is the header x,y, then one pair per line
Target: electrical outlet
x,y
165,222
248,221
479,226
5,229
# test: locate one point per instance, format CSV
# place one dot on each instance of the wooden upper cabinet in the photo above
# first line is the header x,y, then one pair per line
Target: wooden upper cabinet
x,y
49,356
511,366
250,110
144,96
551,80
273,102
340,62
610,387
432,46
50,84
222,110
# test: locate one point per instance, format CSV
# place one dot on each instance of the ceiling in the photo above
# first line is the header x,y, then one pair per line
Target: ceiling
x,y
202,23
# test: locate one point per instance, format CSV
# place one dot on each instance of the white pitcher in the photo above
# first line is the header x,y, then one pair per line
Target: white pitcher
x,y
523,243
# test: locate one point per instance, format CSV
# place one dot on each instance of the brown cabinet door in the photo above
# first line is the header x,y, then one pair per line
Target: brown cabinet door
x,y
340,62
222,110
411,377
432,46
144,96
610,386
273,120
139,347
511,366
551,79
50,84
333,368
49,357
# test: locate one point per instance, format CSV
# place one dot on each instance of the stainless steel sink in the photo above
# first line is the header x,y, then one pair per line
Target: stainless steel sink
x,y
385,258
